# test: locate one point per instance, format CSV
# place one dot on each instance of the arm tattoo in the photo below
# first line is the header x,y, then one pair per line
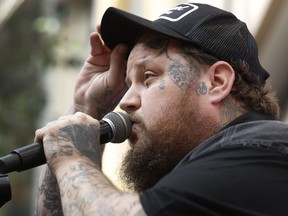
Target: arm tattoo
x,y
105,102
84,138
102,100
48,193
85,190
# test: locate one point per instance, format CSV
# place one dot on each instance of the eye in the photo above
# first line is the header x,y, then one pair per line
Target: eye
x,y
148,78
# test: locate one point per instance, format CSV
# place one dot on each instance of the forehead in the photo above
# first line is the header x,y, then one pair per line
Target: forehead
x,y
141,53
150,46
154,40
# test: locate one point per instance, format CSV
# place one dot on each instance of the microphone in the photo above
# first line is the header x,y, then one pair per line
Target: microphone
x,y
115,127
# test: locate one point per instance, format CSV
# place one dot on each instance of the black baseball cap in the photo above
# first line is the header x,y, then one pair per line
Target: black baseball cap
x,y
214,30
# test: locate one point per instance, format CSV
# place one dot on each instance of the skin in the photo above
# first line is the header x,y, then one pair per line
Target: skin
x,y
152,75
157,89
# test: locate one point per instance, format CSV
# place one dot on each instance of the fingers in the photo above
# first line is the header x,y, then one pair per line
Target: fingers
x,y
41,133
118,64
117,59
61,121
99,32
38,136
100,53
96,44
98,27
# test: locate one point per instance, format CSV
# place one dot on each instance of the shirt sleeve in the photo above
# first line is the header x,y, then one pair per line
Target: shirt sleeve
x,y
225,181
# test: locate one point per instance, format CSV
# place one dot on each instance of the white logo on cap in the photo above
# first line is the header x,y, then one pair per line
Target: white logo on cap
x,y
179,12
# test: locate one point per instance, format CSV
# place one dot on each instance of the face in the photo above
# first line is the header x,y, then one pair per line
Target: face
x,y
164,106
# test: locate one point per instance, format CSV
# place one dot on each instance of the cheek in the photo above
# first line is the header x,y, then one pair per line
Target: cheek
x,y
158,105
157,97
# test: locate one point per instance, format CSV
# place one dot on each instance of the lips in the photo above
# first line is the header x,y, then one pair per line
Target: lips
x,y
135,119
133,136
136,127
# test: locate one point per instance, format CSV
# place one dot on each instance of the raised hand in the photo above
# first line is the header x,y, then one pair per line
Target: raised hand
x,y
101,82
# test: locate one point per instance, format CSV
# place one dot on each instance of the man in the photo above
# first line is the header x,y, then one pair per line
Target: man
x,y
205,139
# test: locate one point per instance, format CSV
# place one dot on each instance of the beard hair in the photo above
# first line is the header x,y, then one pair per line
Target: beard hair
x,y
155,152
153,157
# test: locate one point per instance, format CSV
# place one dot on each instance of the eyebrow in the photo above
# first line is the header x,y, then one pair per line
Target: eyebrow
x,y
139,64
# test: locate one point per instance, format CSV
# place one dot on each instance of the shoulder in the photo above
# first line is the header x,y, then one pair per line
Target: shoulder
x,y
236,174
262,134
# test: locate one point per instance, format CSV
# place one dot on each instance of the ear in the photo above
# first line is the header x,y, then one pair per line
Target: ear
x,y
221,76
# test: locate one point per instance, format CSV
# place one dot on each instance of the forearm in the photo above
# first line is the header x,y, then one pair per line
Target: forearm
x,y
86,191
48,200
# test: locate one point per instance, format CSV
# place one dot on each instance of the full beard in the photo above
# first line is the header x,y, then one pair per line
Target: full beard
x,y
153,155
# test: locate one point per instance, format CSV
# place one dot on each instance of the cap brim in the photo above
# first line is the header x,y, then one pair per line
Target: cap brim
x,y
119,26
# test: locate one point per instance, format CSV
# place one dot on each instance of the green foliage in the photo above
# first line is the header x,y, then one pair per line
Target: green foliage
x,y
25,53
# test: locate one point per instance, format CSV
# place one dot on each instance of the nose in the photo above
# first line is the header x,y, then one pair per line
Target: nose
x,y
131,100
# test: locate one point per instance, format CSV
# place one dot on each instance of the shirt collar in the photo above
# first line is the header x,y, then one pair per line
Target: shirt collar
x,y
250,116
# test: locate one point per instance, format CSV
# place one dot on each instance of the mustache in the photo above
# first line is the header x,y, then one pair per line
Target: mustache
x,y
135,118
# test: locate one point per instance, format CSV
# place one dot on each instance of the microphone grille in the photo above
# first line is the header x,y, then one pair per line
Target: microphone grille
x,y
121,126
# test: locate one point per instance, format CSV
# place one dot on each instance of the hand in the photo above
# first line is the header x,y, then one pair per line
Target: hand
x,y
71,138
101,82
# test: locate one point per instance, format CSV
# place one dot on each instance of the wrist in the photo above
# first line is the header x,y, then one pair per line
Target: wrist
x,y
70,168
93,111
71,172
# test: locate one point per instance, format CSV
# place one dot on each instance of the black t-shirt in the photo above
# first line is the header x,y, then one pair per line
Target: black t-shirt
x,y
236,179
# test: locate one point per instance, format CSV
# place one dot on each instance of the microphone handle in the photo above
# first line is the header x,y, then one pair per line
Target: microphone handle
x,y
33,155
23,158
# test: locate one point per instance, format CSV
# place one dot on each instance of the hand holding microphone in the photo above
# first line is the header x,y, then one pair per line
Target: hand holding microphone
x,y
115,127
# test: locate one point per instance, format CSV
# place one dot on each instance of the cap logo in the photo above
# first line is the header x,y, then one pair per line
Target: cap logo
x,y
178,12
